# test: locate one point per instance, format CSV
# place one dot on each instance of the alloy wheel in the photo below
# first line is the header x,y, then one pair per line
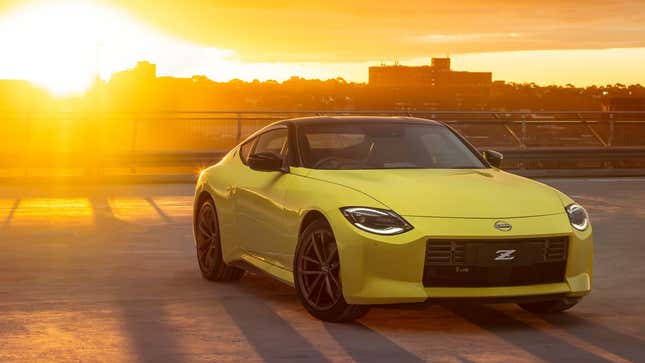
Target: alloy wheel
x,y
319,270
207,237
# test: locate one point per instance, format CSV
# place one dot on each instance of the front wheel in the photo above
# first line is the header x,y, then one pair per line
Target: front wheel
x,y
209,248
550,307
317,276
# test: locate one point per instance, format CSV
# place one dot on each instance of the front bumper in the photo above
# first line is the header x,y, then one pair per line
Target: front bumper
x,y
389,269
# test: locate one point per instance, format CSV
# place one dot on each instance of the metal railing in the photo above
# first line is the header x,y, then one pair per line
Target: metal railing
x,y
134,141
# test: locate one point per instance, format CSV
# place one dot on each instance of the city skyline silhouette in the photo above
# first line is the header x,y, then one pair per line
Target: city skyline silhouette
x,y
394,87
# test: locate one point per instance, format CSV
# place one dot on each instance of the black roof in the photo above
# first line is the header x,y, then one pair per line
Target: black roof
x,y
359,119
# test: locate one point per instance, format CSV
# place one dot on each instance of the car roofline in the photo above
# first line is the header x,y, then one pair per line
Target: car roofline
x,y
301,121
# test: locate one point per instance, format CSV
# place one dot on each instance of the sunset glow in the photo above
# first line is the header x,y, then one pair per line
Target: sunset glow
x,y
63,45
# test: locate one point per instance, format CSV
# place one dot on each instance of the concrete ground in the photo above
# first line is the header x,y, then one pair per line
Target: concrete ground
x,y
108,273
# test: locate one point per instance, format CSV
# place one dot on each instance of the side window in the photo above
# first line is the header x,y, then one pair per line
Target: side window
x,y
271,142
245,150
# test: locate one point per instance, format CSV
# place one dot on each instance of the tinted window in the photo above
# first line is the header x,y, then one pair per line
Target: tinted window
x,y
271,142
384,146
245,149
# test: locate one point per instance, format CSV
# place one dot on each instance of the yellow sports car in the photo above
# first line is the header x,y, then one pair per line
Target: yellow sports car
x,y
359,211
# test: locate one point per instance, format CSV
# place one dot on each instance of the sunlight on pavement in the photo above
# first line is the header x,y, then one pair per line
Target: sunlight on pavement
x,y
134,210
53,211
50,335
175,206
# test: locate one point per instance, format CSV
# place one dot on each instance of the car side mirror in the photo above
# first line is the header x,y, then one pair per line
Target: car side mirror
x,y
265,162
494,158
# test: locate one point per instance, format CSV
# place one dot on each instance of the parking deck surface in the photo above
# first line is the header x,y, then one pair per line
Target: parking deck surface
x,y
107,273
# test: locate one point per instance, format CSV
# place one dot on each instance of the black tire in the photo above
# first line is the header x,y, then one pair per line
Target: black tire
x,y
317,276
208,246
550,307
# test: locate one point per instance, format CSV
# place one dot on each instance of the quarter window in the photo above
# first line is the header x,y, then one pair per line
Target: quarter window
x,y
245,150
271,142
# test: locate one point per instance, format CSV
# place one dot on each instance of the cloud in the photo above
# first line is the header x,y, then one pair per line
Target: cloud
x,y
361,30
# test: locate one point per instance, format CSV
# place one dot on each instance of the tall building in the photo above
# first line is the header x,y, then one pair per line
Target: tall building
x,y
431,86
437,75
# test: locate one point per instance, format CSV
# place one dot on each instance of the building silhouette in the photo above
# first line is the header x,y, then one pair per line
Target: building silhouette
x,y
437,83
437,75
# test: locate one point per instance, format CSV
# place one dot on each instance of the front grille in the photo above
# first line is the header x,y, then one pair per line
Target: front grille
x,y
446,252
556,249
455,263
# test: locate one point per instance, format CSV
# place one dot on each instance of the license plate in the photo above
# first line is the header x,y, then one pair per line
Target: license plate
x,y
501,254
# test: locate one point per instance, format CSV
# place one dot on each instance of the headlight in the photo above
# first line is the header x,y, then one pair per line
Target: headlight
x,y
377,221
577,216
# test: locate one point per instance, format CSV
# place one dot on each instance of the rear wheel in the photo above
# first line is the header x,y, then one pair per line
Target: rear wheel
x,y
550,307
209,248
317,276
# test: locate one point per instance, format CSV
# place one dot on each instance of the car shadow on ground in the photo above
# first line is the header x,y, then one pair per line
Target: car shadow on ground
x,y
364,342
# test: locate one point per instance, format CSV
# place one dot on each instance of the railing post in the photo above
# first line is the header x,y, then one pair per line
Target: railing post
x,y
89,124
28,150
523,136
238,135
610,138
133,144
99,123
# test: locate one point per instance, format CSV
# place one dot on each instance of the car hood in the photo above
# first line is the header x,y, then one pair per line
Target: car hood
x,y
457,193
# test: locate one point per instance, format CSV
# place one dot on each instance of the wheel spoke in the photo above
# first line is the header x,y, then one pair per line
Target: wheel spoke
x,y
332,297
315,248
202,252
313,285
213,226
335,281
206,233
309,259
331,257
212,249
206,261
310,272
323,250
321,287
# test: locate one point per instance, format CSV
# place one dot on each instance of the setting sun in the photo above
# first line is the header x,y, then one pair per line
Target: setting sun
x,y
63,46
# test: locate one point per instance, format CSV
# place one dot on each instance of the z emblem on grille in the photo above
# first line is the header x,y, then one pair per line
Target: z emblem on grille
x,y
504,255
503,226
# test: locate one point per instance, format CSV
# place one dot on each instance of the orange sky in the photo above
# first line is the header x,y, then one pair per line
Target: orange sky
x,y
525,40
363,30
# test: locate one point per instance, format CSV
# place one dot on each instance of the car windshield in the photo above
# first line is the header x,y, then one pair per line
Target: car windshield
x,y
384,146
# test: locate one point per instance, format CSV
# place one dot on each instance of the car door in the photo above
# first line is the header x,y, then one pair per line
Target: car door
x,y
259,200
